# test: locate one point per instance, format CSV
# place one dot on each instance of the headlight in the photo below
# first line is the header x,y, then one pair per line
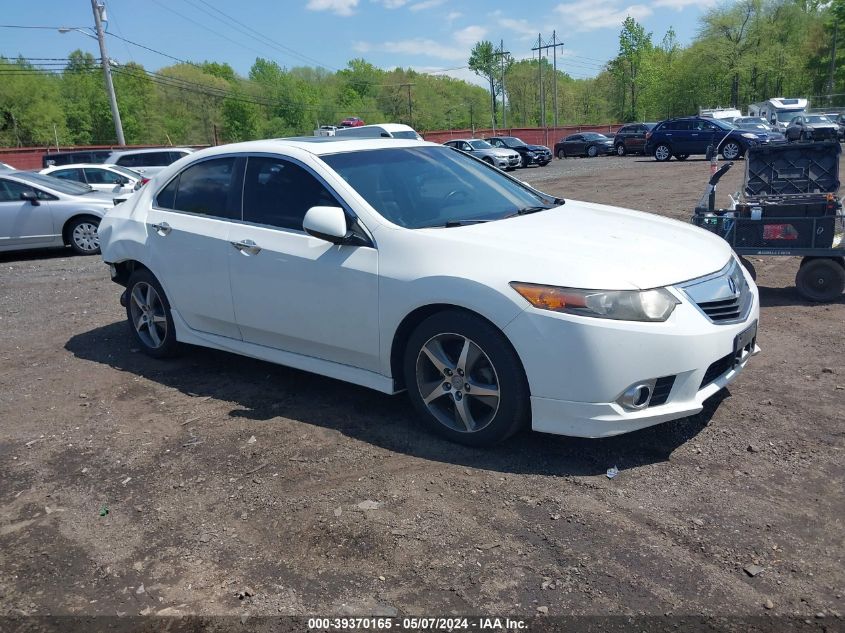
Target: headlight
x,y
749,135
530,153
622,305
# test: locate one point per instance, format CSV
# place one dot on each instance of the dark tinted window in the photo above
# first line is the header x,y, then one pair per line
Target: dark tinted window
x,y
174,156
205,188
278,193
166,198
11,191
146,159
68,174
102,177
626,130
574,137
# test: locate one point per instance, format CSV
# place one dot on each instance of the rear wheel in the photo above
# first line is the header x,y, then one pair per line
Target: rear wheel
x,y
620,149
592,151
561,154
662,153
465,379
148,313
821,279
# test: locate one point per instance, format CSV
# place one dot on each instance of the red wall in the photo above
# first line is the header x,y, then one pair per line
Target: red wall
x,y
534,135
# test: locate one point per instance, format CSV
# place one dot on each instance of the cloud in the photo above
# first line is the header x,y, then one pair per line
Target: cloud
x,y
589,15
340,7
520,27
454,15
680,5
469,35
416,46
426,4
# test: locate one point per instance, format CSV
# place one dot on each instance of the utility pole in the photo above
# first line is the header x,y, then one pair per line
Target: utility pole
x,y
540,48
104,60
832,63
501,54
410,107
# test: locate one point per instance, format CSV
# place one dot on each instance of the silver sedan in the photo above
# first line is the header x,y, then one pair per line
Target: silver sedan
x,y
502,158
38,211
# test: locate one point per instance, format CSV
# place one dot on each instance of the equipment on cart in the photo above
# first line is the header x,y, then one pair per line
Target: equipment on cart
x,y
788,206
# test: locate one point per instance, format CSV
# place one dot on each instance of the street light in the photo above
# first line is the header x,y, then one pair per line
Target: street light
x,y
99,10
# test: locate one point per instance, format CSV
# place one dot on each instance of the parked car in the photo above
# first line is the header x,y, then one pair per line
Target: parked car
x,y
147,162
76,156
502,158
839,119
382,130
812,127
584,144
630,139
759,126
351,121
400,264
531,154
38,211
686,136
6,167
111,178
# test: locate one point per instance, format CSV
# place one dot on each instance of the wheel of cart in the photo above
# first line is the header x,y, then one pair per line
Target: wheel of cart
x,y
821,278
788,207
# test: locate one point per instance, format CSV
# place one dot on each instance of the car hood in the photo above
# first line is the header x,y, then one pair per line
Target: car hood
x,y
588,245
820,126
537,148
500,151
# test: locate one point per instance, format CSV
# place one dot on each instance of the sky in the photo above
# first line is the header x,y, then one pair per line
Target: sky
x,y
427,35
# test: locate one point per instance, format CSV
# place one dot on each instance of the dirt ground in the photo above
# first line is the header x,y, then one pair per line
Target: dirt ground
x,y
130,485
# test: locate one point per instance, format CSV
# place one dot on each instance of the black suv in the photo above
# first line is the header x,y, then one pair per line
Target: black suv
x,y
631,138
684,137
77,156
531,154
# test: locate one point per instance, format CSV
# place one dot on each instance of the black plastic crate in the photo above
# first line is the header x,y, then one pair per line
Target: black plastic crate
x,y
791,168
781,233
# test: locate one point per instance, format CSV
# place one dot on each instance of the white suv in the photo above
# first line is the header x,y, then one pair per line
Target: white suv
x,y
400,264
147,162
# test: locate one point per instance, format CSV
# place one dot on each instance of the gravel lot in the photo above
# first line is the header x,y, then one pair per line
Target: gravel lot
x,y
222,474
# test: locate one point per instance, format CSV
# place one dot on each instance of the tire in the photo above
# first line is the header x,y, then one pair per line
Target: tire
x,y
732,150
662,153
561,154
592,151
749,267
488,160
432,361
821,279
681,156
620,149
146,306
524,162
81,234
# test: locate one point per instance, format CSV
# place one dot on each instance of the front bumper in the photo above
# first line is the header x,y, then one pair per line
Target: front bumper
x,y
578,367
540,158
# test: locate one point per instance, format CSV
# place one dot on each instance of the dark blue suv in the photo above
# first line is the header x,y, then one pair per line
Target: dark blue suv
x,y
692,135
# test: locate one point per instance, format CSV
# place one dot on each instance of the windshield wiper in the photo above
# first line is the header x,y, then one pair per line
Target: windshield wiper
x,y
528,210
452,223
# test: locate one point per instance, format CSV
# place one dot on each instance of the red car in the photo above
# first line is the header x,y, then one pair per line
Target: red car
x,y
351,121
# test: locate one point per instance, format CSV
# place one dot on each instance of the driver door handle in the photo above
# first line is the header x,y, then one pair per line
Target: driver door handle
x,y
162,228
247,247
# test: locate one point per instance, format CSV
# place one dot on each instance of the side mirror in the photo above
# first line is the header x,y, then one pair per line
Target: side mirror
x,y
326,223
32,197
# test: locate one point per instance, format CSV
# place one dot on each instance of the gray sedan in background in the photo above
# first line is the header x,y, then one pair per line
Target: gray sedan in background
x,y
38,211
502,158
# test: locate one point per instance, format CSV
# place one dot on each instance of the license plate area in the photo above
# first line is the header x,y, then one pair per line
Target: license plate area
x,y
744,343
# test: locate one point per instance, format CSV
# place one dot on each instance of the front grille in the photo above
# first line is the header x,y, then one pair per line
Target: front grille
x,y
724,310
723,297
721,366
662,388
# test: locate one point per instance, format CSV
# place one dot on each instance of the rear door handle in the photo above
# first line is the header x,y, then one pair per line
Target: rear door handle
x,y
247,247
162,228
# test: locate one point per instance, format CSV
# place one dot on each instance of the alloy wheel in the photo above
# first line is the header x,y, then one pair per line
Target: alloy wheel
x,y
662,153
85,237
458,383
148,314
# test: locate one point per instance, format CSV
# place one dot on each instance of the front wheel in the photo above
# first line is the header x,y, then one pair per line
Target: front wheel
x,y
662,153
148,313
620,149
561,154
465,379
731,150
592,151
81,233
821,279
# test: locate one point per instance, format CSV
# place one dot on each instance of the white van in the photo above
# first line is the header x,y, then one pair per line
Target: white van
x,y
382,130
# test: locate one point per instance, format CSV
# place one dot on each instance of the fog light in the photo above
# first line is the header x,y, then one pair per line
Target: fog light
x,y
637,396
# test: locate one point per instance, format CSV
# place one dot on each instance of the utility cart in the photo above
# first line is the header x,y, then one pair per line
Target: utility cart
x,y
788,206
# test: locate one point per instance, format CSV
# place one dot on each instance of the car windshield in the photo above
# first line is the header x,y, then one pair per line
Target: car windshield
x,y
724,125
594,136
786,117
818,118
479,144
754,126
512,141
126,172
407,134
68,187
419,187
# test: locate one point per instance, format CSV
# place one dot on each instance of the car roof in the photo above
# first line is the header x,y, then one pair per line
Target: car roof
x,y
317,145
149,150
464,140
81,165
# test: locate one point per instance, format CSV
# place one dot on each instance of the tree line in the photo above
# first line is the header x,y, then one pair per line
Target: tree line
x,y
743,52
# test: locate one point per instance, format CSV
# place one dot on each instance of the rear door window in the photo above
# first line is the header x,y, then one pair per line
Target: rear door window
x,y
102,177
68,174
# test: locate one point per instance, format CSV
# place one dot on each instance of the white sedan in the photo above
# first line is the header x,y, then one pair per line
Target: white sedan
x,y
400,264
110,178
